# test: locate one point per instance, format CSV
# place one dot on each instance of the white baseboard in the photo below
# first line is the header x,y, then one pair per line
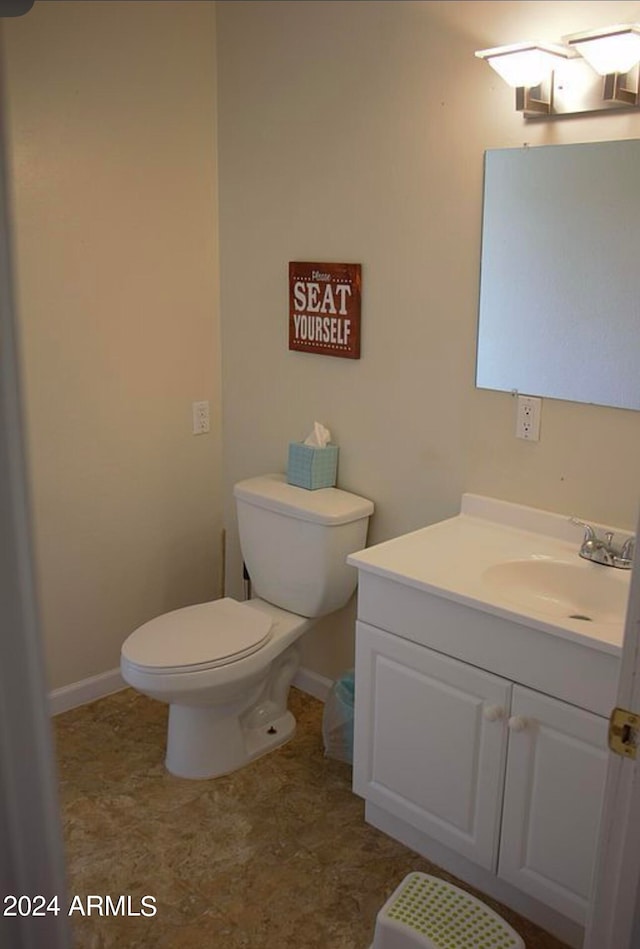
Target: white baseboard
x,y
85,691
96,687
312,683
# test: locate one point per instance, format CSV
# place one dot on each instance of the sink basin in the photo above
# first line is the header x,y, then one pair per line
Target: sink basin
x,y
586,592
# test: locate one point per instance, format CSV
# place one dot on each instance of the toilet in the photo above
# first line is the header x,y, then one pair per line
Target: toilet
x,y
225,667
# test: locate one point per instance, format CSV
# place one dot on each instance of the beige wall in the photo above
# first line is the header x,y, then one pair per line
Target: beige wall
x,y
349,131
355,132
112,128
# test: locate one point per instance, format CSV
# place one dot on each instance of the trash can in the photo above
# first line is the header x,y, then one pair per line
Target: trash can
x,y
337,720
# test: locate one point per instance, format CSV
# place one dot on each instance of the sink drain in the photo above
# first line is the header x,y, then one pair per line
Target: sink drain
x,y
587,619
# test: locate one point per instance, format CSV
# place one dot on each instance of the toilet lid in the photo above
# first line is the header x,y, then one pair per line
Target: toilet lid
x,y
201,636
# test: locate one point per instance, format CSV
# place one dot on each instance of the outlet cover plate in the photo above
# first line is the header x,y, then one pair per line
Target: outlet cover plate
x,y
200,414
528,419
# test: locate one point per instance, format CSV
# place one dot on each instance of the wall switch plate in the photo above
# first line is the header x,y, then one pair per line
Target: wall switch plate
x,y
200,418
528,421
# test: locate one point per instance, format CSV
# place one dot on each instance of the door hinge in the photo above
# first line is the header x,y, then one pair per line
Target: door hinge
x,y
624,732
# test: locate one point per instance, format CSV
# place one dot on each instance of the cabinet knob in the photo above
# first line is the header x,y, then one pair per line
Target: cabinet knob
x,y
517,723
493,713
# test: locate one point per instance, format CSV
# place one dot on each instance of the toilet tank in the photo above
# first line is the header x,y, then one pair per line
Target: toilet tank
x,y
295,542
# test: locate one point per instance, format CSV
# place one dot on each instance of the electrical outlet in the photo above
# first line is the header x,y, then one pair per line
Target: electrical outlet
x,y
200,412
528,421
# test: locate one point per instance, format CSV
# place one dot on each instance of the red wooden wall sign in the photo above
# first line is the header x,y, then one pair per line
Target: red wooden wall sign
x,y
324,308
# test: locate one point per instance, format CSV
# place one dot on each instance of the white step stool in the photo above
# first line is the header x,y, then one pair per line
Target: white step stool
x,y
427,913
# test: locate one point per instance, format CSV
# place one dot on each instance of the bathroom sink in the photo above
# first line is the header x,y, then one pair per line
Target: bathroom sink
x,y
585,592
515,562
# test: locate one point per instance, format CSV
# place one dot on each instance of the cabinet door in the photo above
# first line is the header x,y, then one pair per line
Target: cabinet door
x,y
430,741
556,769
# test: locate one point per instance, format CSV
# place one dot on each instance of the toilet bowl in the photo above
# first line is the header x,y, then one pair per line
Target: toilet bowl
x,y
225,667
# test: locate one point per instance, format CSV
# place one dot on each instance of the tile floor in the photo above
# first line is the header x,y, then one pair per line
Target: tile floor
x,y
275,856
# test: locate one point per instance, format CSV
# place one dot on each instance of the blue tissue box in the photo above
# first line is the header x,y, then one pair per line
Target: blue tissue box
x,y
312,468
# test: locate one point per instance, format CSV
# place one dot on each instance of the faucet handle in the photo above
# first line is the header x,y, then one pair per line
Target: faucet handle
x,y
628,549
589,533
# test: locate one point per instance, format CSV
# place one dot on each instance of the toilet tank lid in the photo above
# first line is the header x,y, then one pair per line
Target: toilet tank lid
x,y
330,506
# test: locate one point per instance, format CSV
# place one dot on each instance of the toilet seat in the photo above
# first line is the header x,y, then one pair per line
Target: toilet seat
x,y
198,637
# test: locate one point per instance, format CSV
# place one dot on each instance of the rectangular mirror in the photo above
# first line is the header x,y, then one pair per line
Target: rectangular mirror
x,y
560,278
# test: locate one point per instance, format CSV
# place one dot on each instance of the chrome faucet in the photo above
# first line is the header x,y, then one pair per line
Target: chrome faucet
x,y
603,550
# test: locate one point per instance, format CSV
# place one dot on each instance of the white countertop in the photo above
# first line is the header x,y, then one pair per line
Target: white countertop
x,y
450,559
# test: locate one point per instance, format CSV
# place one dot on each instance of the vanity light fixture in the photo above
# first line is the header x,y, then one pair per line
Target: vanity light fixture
x,y
612,52
525,67
553,81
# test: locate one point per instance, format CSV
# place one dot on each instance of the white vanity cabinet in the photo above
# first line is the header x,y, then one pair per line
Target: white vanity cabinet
x,y
505,776
481,711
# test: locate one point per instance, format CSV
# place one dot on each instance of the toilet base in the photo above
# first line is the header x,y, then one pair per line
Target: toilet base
x,y
201,745
263,739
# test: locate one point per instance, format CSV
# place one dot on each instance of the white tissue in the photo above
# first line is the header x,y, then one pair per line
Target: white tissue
x,y
319,437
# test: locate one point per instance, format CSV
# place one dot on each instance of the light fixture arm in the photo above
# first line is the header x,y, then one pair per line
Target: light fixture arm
x,y
531,100
614,89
